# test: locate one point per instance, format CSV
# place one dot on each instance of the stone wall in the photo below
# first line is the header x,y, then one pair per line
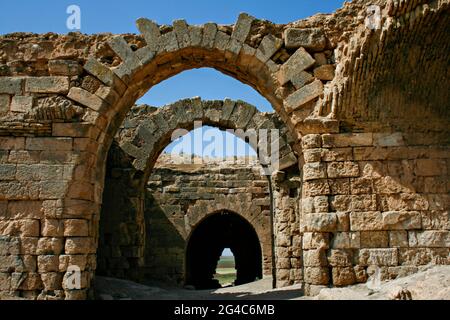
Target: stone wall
x,y
182,196
371,138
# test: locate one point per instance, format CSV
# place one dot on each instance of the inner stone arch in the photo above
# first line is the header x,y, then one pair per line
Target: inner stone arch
x,y
134,210
218,231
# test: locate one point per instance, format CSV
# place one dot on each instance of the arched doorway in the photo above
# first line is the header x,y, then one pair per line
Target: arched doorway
x,y
222,230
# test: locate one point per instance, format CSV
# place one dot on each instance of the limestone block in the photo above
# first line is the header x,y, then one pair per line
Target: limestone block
x,y
301,79
150,31
297,63
315,170
47,263
21,104
315,240
316,188
388,139
28,245
9,245
430,167
268,47
196,35
401,220
87,99
168,42
5,101
11,85
428,238
221,41
347,140
78,260
303,95
50,246
181,30
398,239
51,228
342,169
209,35
315,258
77,245
317,275
321,222
423,256
346,240
378,257
312,155
64,68
54,144
374,239
309,38
366,221
100,71
56,84
76,228
325,72
311,141
123,50
52,280
242,27
343,276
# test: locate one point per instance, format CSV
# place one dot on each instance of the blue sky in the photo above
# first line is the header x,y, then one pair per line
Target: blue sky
x,y
120,16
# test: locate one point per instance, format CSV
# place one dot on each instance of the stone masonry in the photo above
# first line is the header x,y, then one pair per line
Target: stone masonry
x,y
366,109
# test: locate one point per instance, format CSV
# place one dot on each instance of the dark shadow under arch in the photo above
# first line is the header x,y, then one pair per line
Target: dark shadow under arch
x,y
221,230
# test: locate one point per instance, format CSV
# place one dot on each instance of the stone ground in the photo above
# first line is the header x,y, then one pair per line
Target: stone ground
x,y
430,283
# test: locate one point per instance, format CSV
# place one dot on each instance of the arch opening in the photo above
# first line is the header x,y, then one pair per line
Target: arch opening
x,y
222,230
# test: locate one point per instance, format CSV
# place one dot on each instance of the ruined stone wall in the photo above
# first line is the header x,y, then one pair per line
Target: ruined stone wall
x,y
372,200
179,197
64,97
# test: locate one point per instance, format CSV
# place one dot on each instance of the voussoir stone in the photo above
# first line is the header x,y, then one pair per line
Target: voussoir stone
x,y
310,38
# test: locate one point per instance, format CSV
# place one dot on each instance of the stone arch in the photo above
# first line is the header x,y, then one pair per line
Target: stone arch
x,y
223,229
143,136
149,131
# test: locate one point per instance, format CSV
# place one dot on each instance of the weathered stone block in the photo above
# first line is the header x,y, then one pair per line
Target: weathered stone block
x,y
311,141
321,222
269,45
54,144
388,139
301,79
432,239
87,99
309,38
56,84
47,263
378,257
52,280
297,63
150,31
21,104
346,240
64,68
401,220
374,239
315,170
76,228
366,221
317,275
347,140
343,276
398,239
5,101
430,167
342,169
325,72
242,27
47,246
11,85
315,240
78,245
314,258
303,95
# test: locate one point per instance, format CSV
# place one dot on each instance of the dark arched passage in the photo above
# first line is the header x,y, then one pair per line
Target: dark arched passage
x,y
215,233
